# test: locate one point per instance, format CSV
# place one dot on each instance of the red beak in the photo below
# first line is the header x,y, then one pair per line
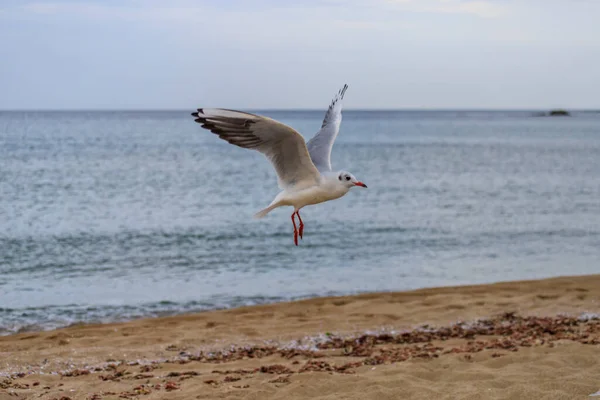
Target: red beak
x,y
360,184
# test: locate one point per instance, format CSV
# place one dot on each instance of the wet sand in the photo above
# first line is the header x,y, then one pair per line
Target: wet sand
x,y
517,340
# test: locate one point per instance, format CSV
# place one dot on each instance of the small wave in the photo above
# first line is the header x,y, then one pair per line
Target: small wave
x,y
15,320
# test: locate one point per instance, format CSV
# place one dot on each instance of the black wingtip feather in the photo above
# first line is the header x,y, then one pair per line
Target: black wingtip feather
x,y
236,131
343,91
338,97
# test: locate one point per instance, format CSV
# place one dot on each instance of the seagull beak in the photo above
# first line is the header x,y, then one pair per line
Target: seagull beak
x,y
360,184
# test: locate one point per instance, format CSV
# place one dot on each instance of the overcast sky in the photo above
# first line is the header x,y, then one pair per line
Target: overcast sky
x,y
182,54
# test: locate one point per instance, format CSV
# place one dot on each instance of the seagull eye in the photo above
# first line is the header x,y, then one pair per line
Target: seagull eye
x,y
347,178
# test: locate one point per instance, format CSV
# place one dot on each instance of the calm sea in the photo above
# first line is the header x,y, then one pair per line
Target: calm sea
x,y
110,216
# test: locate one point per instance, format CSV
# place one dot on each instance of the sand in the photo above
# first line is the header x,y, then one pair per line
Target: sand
x,y
519,340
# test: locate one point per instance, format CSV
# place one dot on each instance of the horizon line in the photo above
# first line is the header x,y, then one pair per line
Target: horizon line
x,y
295,109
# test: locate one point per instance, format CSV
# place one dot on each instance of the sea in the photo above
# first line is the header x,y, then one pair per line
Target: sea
x,y
115,215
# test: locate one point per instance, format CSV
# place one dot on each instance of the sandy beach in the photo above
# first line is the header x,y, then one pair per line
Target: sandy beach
x,y
517,340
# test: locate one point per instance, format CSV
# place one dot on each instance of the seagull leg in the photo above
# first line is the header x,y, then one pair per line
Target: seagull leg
x,y
295,229
301,228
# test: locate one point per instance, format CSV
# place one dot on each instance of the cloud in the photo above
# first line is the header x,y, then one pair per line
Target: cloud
x,y
263,24
479,8
103,11
188,10
486,9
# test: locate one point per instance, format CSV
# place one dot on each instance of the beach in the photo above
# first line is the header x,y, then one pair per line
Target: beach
x,y
535,339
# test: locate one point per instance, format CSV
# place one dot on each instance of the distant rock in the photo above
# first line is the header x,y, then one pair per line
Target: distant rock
x,y
552,113
559,113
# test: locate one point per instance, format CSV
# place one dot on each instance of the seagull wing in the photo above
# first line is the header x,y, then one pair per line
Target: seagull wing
x,y
321,144
283,146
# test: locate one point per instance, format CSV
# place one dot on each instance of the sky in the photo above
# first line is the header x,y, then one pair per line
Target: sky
x,y
278,54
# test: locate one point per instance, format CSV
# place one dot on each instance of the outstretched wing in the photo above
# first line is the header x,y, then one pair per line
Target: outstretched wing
x,y
282,145
321,144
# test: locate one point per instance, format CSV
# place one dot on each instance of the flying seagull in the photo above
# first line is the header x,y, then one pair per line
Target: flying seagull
x,y
304,169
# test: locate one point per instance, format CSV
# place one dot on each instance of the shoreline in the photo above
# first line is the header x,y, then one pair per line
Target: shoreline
x,y
33,328
274,348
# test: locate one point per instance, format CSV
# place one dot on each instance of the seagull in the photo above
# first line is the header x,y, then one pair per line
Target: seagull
x,y
303,169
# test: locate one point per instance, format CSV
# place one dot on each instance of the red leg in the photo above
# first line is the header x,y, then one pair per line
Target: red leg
x,y
301,230
295,229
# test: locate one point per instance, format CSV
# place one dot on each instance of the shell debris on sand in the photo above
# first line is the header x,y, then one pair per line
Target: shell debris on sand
x,y
492,338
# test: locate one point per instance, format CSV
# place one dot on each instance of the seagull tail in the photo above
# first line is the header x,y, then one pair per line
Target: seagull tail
x,y
263,213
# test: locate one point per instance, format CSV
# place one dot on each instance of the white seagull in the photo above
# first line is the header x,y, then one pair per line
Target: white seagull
x,y
304,169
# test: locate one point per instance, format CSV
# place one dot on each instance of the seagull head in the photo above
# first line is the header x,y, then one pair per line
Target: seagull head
x,y
349,180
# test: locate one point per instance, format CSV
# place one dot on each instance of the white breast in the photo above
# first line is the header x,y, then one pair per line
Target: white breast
x,y
314,195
